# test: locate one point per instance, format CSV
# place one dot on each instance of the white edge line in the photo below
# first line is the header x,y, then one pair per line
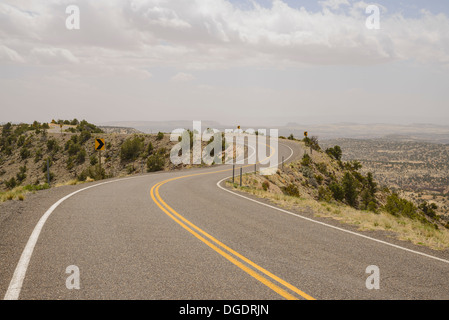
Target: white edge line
x,y
328,225
15,286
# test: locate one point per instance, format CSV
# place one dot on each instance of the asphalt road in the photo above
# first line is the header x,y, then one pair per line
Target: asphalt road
x,y
187,238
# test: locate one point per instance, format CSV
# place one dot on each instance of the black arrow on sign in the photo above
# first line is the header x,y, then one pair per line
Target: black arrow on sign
x,y
100,144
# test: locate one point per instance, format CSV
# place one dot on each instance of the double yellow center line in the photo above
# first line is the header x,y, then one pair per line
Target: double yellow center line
x,y
221,248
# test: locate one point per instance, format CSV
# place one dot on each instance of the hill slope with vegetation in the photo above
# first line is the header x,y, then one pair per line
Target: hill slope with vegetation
x,y
330,187
68,148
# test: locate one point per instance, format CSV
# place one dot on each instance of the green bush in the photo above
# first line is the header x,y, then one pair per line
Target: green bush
x,y
398,206
337,191
21,141
38,155
160,136
74,148
21,175
265,185
291,190
84,136
11,183
131,148
312,142
150,148
155,162
81,156
350,189
335,152
25,153
428,209
52,145
306,160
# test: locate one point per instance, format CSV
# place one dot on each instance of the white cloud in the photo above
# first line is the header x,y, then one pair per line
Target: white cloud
x,y
211,34
182,77
53,55
9,55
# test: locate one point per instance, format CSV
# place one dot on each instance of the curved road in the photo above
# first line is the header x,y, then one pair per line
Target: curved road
x,y
179,235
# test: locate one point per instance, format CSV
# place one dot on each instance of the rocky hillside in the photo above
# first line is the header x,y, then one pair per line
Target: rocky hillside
x,y
322,177
25,149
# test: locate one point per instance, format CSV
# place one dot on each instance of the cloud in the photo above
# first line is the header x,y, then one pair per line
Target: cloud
x,y
9,55
214,34
53,55
182,77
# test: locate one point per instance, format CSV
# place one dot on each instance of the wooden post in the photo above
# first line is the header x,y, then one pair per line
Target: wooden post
x,y
241,176
99,161
48,171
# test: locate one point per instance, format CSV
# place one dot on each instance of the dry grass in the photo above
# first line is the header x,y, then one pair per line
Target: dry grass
x,y
404,228
72,182
18,193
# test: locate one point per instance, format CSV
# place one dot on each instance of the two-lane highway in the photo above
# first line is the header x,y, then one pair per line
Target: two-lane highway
x,y
178,235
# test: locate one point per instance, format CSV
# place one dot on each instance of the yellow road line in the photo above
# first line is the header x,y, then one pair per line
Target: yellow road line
x,y
266,272
158,200
227,256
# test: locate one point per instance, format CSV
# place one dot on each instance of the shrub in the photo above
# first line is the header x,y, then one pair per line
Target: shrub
x,y
38,155
11,183
155,162
398,206
150,148
25,153
21,141
73,149
350,189
312,142
372,206
324,194
160,136
337,191
52,145
291,190
335,152
81,156
265,185
21,175
322,168
131,148
428,209
306,160
84,136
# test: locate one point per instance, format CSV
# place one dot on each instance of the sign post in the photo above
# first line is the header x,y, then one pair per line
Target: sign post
x,y
99,146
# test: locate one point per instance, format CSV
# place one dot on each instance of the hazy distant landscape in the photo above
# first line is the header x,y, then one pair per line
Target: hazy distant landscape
x,y
419,169
398,132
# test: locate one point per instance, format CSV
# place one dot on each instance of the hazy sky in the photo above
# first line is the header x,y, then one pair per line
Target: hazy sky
x,y
253,62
